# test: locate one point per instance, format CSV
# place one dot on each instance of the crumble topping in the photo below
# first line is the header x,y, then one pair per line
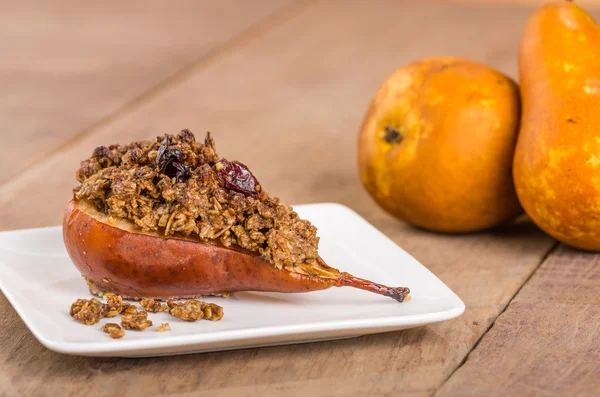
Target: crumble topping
x,y
173,184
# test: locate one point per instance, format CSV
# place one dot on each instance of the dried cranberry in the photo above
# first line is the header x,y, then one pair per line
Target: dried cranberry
x,y
236,176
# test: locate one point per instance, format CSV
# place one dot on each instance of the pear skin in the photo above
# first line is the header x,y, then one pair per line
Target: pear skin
x,y
557,159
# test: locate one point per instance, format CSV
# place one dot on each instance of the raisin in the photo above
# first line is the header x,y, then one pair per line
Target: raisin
x,y
183,171
237,177
170,162
169,156
161,150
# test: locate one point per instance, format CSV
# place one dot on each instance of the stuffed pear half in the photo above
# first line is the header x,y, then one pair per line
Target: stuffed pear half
x,y
168,218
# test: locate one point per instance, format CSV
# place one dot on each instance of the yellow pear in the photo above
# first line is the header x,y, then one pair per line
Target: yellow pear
x,y
557,160
436,146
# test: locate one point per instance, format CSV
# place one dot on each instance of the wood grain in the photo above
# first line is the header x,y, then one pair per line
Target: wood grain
x,y
547,343
67,65
288,102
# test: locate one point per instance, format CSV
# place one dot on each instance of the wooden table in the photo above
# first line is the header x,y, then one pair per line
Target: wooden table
x,y
294,76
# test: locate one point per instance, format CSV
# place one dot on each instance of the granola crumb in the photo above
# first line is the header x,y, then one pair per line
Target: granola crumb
x,y
91,311
137,321
164,327
212,311
152,306
129,309
76,306
114,330
193,310
94,289
114,304
87,312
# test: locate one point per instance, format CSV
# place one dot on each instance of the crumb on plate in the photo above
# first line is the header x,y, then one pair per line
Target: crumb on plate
x,y
137,321
114,330
194,310
164,327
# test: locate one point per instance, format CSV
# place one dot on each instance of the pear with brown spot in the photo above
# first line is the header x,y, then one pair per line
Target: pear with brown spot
x,y
557,160
436,146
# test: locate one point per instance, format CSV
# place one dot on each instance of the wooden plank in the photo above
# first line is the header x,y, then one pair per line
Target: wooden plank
x,y
299,90
585,3
306,99
67,65
547,343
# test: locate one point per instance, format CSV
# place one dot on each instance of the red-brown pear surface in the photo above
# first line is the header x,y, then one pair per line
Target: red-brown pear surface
x,y
118,257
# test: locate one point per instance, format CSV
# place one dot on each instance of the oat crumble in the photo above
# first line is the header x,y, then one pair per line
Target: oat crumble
x,y
129,309
91,311
193,310
153,306
137,321
94,290
164,327
87,312
194,192
114,305
114,330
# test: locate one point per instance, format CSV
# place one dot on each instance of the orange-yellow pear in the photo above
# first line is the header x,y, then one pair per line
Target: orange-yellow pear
x,y
557,160
436,146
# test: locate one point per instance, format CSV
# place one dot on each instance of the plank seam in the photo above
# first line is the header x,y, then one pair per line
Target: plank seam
x,y
483,334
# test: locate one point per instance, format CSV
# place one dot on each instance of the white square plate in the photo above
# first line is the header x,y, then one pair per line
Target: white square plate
x,y
39,280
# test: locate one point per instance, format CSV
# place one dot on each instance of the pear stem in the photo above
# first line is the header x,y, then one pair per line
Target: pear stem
x,y
400,294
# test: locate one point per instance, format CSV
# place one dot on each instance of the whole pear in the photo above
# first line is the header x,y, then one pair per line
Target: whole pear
x,y
436,146
557,159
